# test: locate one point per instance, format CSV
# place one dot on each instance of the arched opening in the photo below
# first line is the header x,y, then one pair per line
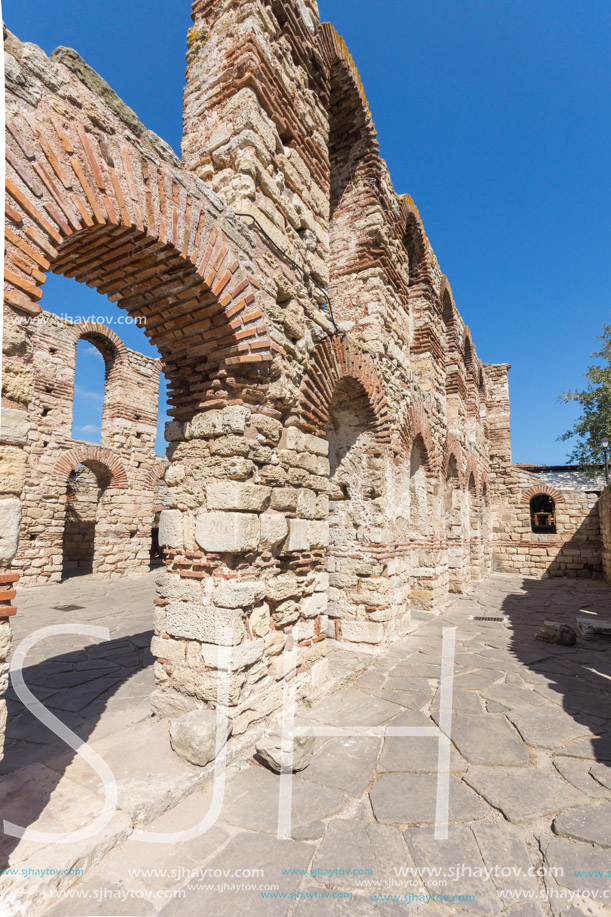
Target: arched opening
x,y
454,527
356,487
486,527
421,501
91,371
418,486
543,514
474,527
448,318
354,186
85,508
159,495
413,242
468,358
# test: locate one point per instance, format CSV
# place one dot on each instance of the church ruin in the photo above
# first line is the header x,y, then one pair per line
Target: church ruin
x,y
338,453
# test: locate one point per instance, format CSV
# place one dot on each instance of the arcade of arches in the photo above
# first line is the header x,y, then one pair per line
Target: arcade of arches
x,y
335,460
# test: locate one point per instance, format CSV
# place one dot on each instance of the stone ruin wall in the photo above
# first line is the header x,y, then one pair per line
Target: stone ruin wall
x,y
82,498
290,517
604,512
575,549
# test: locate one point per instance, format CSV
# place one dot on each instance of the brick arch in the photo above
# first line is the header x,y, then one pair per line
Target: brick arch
x,y
481,381
358,182
88,330
416,242
81,455
452,447
332,360
449,315
468,351
471,469
538,489
156,473
113,208
416,423
108,343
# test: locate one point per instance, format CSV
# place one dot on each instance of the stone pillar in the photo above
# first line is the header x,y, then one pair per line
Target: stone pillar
x,y
246,533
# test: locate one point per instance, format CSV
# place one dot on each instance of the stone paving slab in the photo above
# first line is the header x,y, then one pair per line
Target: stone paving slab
x,y
570,857
578,772
251,801
548,727
362,798
602,774
490,740
346,763
591,824
251,851
352,847
410,799
460,849
351,707
523,794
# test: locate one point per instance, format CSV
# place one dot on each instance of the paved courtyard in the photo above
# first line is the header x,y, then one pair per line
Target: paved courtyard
x,y
530,784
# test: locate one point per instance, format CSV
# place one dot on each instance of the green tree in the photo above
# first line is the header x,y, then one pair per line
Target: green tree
x,y
594,422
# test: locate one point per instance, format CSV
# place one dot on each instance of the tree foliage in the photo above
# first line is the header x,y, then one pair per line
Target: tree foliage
x,y
594,422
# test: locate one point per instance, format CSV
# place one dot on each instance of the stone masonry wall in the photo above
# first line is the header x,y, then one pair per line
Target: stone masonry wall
x,y
575,548
115,528
604,514
283,281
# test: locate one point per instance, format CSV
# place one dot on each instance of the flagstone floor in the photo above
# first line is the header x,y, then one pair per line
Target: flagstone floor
x,y
529,828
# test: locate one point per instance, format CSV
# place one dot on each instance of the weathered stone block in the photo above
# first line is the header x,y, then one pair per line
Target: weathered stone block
x,y
10,520
230,533
17,382
274,529
316,445
238,658
298,536
362,631
233,495
259,620
553,632
274,643
281,587
199,735
174,431
315,604
318,533
269,427
173,586
301,747
210,423
233,594
235,418
174,474
205,623
5,639
12,469
170,528
592,628
14,426
295,439
306,503
285,498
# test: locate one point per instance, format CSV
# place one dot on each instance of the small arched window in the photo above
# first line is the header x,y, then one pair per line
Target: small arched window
x,y
543,514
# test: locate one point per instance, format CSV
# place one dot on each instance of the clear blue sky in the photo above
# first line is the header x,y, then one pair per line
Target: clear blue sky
x,y
492,114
